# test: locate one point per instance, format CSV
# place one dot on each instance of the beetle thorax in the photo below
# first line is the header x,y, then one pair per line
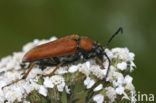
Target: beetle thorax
x,y
86,44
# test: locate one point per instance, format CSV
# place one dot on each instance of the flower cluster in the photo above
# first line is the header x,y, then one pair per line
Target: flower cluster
x,y
117,88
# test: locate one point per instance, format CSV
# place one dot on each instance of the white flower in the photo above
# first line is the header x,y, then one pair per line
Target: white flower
x,y
110,73
99,98
11,75
131,56
43,42
116,78
28,46
11,65
43,91
132,66
133,97
118,75
88,64
61,86
3,63
61,71
53,38
125,96
123,54
1,91
67,90
17,56
128,79
120,90
28,87
73,69
26,102
33,73
19,91
84,69
109,53
47,83
48,70
130,86
111,93
88,82
122,66
99,87
55,80
99,73
13,93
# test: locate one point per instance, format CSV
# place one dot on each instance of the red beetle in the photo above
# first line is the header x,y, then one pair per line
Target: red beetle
x,y
65,50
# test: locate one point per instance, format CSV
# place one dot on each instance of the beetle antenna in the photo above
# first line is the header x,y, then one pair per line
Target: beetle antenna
x,y
106,46
117,32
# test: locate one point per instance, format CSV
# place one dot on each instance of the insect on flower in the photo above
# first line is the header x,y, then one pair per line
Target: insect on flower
x,y
65,50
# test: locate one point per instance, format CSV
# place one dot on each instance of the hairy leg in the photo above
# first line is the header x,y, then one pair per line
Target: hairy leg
x,y
52,73
24,77
100,62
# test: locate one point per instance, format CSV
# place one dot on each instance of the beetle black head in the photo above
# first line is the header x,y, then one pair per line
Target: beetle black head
x,y
98,49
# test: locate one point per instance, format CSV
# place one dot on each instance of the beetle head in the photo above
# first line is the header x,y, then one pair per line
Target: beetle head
x,y
98,49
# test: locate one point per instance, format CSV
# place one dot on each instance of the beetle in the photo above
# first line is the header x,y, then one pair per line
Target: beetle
x,y
65,50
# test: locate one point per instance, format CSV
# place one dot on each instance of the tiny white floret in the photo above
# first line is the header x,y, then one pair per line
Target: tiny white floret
x,y
128,79
99,87
61,86
48,83
61,71
84,69
57,79
43,91
88,64
99,98
120,90
67,89
111,93
89,82
122,66
73,69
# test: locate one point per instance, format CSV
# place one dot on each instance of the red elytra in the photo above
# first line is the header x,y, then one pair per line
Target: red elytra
x,y
60,47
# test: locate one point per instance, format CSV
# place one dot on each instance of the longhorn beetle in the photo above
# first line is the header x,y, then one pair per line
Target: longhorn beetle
x,y
65,50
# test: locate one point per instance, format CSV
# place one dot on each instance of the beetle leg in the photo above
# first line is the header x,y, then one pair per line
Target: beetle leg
x,y
108,65
24,77
56,59
30,68
100,62
90,93
52,73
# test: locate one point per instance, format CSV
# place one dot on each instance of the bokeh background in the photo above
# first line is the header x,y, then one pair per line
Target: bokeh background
x,y
21,21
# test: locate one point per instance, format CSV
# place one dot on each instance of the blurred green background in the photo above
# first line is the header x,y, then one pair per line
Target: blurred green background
x,y
21,21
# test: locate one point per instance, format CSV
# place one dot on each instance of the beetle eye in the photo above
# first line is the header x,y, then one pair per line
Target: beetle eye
x,y
99,50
